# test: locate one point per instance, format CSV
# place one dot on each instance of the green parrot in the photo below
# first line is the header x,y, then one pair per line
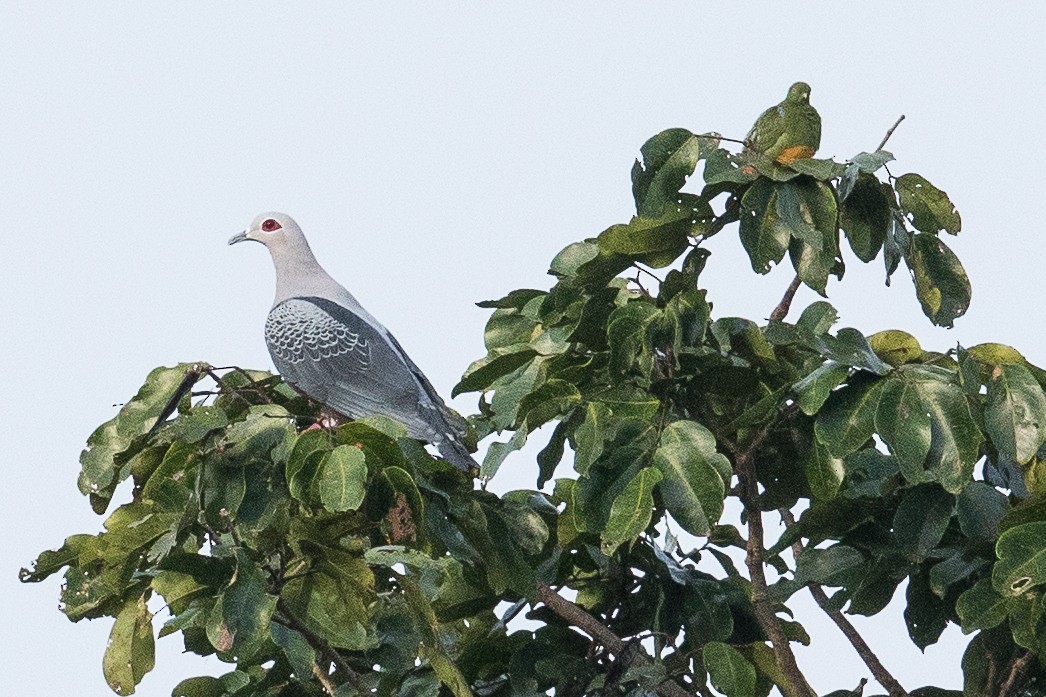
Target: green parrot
x,y
789,131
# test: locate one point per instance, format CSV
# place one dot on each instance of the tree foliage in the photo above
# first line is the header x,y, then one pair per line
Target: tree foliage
x,y
351,561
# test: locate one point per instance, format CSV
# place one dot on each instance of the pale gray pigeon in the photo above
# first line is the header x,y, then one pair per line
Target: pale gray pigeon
x,y
329,348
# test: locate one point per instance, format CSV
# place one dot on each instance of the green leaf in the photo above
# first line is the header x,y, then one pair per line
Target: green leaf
x,y
240,619
928,208
669,158
896,347
630,513
903,421
814,248
980,509
980,607
730,672
655,241
343,478
295,647
100,471
824,473
765,241
819,169
571,258
506,331
552,399
130,653
1015,412
847,420
516,299
597,428
921,520
865,216
693,487
813,390
956,439
941,283
482,374
871,161
626,333
1022,559
203,686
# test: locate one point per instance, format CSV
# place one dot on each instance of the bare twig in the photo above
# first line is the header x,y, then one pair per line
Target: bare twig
x,y
578,617
288,619
885,678
1018,667
890,132
781,311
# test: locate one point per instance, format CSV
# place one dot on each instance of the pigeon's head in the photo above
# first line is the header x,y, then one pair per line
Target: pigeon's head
x,y
277,231
799,92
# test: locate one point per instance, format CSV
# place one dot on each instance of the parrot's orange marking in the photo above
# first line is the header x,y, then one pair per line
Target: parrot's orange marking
x,y
798,152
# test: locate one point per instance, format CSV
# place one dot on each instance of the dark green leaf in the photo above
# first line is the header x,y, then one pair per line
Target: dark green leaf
x,y
130,653
1015,412
824,473
847,420
865,216
871,161
765,241
516,299
729,671
669,158
822,170
980,607
903,421
342,479
941,283
693,487
921,520
813,390
980,509
630,513
928,207
1022,559
655,241
482,374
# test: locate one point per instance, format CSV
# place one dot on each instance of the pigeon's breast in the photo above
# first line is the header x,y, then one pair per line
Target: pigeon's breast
x,y
298,331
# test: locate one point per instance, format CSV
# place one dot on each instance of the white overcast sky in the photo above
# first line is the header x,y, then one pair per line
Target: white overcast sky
x,y
436,154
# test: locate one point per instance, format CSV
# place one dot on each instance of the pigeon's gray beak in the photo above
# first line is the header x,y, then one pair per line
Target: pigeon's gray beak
x,y
238,237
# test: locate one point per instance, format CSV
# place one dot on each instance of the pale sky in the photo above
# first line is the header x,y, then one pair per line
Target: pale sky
x,y
437,154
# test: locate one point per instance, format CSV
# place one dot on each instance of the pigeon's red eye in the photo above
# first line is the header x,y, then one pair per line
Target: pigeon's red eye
x,y
270,225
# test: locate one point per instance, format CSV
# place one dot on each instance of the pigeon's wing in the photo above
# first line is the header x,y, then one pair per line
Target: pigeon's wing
x,y
340,360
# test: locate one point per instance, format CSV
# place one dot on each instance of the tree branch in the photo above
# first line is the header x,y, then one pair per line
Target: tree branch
x,y
890,132
744,465
1018,667
580,618
885,678
291,621
782,308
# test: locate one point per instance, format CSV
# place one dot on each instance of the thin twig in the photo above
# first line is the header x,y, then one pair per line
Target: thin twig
x,y
1018,667
288,619
578,617
885,678
890,132
781,311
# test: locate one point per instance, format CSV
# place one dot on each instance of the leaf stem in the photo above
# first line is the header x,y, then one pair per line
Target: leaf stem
x,y
578,617
885,678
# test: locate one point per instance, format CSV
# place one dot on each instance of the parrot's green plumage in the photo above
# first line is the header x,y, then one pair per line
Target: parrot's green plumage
x,y
789,131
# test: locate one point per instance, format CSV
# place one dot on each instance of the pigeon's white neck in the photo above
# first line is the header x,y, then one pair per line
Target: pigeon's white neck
x,y
299,274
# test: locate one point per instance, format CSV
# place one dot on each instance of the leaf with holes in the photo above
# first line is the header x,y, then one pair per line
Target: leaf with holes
x,y
1022,559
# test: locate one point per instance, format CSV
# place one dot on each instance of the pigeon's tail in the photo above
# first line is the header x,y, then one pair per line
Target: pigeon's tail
x,y
455,453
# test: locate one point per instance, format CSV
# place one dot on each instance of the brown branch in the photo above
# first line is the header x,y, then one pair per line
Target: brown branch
x,y
782,308
318,643
885,678
754,560
580,618
1018,667
890,132
324,679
